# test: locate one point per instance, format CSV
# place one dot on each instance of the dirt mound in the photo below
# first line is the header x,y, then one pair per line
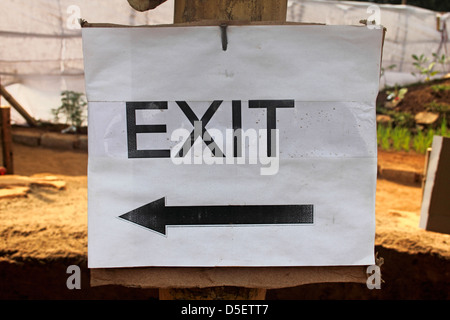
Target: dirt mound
x,y
421,96
432,96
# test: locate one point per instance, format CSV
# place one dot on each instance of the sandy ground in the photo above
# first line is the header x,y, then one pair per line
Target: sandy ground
x,y
43,233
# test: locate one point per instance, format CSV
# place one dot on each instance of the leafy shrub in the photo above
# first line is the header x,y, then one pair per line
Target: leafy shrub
x,y
72,106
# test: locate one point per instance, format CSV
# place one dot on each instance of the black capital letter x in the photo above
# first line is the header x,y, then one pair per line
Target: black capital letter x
x,y
203,133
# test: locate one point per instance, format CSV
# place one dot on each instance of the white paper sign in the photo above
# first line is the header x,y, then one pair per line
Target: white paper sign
x,y
263,154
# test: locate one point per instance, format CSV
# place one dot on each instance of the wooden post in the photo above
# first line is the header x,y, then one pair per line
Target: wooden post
x,y
145,5
435,211
6,136
425,169
224,10
237,10
16,105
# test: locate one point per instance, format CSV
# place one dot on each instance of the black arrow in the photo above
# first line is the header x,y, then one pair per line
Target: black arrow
x,y
156,216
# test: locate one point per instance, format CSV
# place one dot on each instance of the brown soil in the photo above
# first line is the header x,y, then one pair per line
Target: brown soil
x,y
419,98
420,95
44,233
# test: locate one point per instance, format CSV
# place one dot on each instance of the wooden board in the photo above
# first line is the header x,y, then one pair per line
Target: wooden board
x,y
13,192
435,214
248,277
9,181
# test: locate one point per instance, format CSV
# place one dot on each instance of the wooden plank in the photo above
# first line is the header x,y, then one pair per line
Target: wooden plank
x,y
16,105
6,138
8,181
435,212
14,192
207,277
85,24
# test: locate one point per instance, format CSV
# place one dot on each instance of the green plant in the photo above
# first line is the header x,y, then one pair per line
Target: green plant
x,y
402,119
419,142
429,138
422,141
399,118
434,106
443,129
396,95
423,67
401,138
396,138
406,143
442,60
72,106
440,87
383,70
383,136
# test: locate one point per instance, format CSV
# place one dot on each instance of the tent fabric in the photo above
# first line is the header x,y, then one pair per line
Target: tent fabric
x,y
43,37
409,30
41,48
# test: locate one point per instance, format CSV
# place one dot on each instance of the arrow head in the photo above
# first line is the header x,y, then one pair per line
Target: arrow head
x,y
150,216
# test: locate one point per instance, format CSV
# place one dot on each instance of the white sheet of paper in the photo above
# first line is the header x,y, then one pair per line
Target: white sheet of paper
x,y
327,150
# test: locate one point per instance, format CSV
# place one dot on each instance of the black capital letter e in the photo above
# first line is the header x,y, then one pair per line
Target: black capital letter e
x,y
133,129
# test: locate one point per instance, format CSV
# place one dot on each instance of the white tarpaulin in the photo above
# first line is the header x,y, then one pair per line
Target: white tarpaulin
x,y
311,201
409,30
41,50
